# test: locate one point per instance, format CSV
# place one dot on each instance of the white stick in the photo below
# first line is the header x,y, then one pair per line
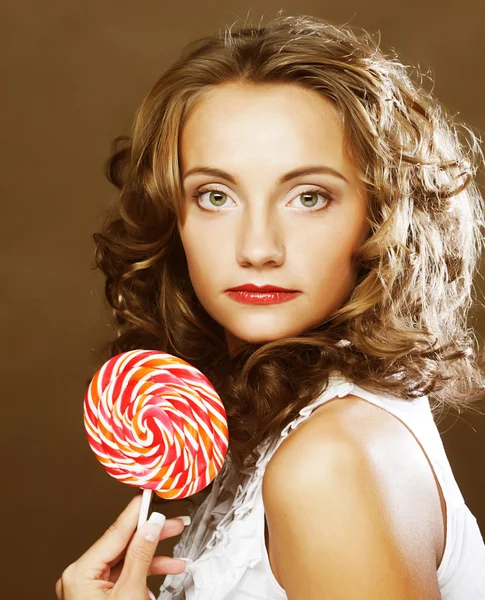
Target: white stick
x,y
145,505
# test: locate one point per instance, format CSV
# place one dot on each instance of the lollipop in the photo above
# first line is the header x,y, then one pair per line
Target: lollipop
x,y
156,422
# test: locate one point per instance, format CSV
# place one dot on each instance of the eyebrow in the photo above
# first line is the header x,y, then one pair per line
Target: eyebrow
x,y
307,170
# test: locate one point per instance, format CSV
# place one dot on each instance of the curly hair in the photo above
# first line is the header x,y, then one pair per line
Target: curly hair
x,y
403,328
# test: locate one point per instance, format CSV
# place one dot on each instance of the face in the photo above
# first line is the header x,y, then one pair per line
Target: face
x,y
254,222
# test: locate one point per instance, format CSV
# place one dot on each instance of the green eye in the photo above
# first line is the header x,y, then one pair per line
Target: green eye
x,y
215,198
310,198
218,198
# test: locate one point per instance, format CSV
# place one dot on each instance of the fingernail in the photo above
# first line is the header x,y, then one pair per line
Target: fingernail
x,y
153,527
185,519
188,561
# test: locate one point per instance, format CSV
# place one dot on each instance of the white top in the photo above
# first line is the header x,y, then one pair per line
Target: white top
x,y
226,536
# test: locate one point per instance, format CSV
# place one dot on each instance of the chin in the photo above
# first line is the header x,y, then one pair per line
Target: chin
x,y
259,337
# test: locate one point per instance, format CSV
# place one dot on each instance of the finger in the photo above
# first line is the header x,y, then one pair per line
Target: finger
x,y
166,565
160,565
112,544
140,552
171,528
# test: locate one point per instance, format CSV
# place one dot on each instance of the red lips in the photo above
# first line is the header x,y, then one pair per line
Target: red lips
x,y
249,287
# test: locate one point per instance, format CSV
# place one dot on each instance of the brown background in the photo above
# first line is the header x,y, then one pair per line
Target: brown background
x,y
73,74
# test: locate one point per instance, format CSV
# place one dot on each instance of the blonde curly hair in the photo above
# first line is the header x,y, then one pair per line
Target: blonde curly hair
x,y
403,329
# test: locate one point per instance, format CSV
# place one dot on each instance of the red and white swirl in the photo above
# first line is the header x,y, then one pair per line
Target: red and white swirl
x,y
156,422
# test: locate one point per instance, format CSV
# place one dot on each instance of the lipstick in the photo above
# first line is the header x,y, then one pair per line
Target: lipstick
x,y
249,293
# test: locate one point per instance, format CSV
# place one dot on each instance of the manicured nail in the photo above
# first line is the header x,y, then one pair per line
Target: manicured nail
x,y
153,527
188,561
185,519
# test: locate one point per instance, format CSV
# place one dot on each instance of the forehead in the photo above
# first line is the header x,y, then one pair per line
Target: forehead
x,y
280,122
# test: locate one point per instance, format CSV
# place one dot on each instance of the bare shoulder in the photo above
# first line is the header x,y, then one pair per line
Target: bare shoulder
x,y
354,467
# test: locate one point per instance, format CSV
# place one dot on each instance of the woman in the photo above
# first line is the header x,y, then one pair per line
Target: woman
x,y
297,156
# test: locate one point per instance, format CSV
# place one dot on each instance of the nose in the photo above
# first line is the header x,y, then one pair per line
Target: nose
x,y
260,242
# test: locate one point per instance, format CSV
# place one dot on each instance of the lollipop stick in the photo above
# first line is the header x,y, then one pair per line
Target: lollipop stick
x,y
145,505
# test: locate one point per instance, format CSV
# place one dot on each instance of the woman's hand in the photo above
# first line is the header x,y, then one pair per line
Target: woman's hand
x,y
116,567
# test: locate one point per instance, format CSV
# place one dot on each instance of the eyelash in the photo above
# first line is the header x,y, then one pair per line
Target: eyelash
x,y
310,190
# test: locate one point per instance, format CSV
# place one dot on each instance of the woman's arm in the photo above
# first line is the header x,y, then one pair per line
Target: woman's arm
x,y
335,531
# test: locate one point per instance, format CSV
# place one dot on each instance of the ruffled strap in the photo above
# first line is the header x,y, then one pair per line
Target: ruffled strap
x,y
192,540
219,570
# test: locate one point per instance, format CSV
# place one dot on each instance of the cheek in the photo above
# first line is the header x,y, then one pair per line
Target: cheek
x,y
329,269
201,259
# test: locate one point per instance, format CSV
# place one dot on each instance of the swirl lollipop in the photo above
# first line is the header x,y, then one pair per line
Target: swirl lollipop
x,y
156,422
